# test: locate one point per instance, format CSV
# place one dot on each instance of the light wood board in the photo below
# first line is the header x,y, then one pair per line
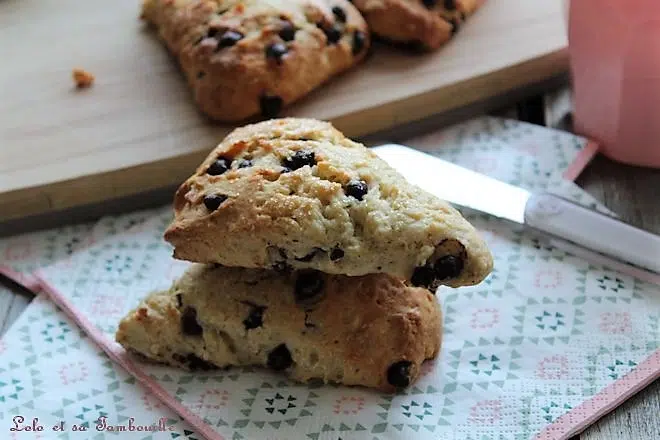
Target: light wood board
x,y
137,128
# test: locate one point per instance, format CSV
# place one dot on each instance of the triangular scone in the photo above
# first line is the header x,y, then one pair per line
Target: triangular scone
x,y
424,25
250,58
295,193
372,331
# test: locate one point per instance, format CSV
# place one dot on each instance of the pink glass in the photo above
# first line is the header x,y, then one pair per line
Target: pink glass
x,y
614,47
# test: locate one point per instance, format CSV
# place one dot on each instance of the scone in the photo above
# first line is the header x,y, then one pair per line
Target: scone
x,y
426,24
371,331
254,57
296,194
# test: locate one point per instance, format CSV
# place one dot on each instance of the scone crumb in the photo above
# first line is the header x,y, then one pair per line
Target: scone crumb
x,y
82,78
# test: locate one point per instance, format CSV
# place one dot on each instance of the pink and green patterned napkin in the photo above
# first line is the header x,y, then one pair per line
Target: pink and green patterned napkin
x,y
546,344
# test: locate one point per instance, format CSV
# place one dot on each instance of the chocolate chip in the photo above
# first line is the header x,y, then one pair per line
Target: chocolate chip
x,y
455,25
193,362
398,375
450,4
255,318
423,276
359,39
220,166
213,201
332,34
288,32
339,14
299,159
245,163
276,51
356,188
270,105
309,285
229,38
430,3
285,170
179,300
336,254
308,257
280,358
281,267
448,267
189,324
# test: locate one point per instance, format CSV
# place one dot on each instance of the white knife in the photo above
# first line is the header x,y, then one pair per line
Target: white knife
x,y
561,220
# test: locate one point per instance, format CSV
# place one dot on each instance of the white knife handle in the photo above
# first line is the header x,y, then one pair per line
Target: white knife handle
x,y
595,231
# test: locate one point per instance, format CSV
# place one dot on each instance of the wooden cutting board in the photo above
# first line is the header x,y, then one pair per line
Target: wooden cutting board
x,y
137,129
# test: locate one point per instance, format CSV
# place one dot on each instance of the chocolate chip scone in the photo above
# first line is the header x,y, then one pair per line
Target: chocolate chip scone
x,y
372,331
424,24
251,57
295,193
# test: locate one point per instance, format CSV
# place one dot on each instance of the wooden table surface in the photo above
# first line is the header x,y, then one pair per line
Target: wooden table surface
x,y
627,190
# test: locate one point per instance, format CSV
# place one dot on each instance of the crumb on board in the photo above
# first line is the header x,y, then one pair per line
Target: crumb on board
x,y
82,78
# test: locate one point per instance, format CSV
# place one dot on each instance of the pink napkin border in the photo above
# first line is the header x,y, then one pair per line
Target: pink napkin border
x,y
566,426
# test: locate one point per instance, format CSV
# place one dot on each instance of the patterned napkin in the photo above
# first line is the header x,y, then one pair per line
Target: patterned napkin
x,y
544,345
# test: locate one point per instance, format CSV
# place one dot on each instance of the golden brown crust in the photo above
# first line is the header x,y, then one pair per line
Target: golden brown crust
x,y
231,75
411,21
307,218
350,330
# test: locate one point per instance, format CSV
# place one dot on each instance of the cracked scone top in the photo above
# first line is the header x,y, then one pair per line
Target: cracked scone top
x,y
254,57
372,331
296,193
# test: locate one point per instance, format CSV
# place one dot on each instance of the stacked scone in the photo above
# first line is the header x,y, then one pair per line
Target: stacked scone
x,y
251,58
312,256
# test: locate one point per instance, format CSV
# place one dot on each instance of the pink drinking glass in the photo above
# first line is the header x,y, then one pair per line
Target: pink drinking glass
x,y
614,48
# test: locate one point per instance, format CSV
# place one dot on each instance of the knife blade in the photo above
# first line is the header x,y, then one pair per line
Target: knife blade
x,y
558,218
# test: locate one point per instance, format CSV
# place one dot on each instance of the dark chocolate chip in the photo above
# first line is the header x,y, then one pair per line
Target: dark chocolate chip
x,y
339,14
276,51
194,362
336,254
220,166
245,163
307,323
332,34
189,324
299,159
423,276
430,3
270,105
213,201
179,300
356,188
285,170
288,32
280,358
455,25
229,38
448,267
359,39
255,318
309,284
398,375
450,5
281,267
308,257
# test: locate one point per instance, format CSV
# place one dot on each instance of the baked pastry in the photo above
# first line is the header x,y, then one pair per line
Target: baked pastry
x,y
424,24
245,58
372,331
295,193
